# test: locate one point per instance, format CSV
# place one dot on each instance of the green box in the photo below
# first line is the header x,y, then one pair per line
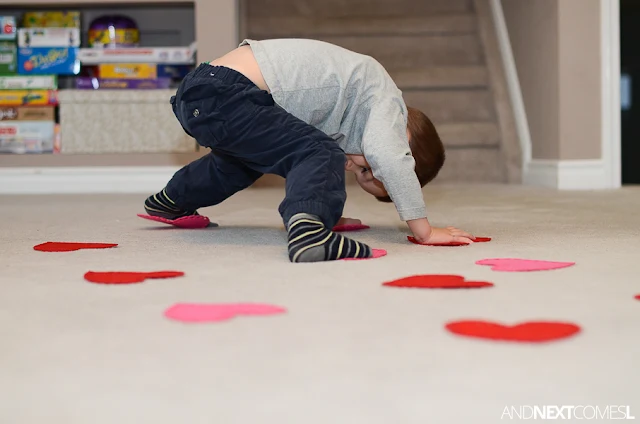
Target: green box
x,y
28,82
8,58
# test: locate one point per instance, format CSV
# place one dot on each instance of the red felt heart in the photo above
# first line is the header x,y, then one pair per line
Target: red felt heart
x,y
56,246
481,239
533,332
437,281
128,277
350,227
375,254
188,222
453,243
638,297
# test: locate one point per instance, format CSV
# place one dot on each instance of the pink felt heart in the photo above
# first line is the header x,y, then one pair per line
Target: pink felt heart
x,y
189,222
350,227
215,312
522,265
376,253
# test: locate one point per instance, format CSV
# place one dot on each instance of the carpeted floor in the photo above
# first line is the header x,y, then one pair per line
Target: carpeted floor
x,y
348,350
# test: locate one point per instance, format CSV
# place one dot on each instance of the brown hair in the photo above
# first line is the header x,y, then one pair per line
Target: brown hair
x,y
426,147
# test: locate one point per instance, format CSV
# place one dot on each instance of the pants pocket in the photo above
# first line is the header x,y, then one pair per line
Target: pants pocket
x,y
204,122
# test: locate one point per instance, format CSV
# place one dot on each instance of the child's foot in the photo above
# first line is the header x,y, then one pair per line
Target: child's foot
x,y
310,241
161,205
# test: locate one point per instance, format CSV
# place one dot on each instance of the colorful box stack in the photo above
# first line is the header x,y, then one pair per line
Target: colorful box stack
x,y
115,60
135,67
27,114
48,43
46,46
43,51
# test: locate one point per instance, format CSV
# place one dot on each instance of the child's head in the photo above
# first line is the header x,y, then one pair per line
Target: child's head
x,y
427,150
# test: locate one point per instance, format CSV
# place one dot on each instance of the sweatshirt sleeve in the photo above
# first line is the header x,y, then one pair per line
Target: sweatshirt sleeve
x,y
386,148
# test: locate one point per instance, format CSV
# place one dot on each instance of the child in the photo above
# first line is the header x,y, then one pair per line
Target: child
x,y
305,110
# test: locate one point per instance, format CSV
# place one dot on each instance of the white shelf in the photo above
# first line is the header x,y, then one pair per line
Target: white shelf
x,y
164,55
103,159
55,3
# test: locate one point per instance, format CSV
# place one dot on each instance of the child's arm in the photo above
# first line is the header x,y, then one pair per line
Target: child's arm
x,y
386,147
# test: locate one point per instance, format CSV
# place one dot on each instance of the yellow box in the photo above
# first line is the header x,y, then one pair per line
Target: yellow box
x,y
128,70
51,20
28,97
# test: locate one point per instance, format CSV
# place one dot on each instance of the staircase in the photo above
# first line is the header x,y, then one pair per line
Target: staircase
x,y
442,54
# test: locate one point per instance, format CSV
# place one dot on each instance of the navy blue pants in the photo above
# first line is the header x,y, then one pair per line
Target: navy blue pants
x,y
249,135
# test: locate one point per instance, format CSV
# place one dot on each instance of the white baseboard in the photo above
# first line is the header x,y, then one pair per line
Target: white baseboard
x,y
76,180
567,174
563,175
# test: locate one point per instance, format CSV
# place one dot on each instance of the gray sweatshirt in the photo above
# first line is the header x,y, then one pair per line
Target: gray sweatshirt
x,y
352,98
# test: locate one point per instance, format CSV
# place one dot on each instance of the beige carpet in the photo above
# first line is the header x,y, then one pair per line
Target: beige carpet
x,y
348,350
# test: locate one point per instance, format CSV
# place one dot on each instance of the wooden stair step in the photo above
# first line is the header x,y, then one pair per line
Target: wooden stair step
x,y
443,106
440,77
461,135
418,51
471,165
338,8
266,27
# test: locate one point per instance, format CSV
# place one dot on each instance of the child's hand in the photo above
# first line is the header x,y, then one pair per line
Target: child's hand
x,y
423,232
349,221
448,235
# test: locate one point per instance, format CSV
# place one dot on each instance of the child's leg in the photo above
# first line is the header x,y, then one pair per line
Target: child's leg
x,y
204,182
225,111
234,116
311,241
315,197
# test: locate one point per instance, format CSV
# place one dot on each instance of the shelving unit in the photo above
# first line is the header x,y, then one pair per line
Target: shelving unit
x,y
215,27
216,21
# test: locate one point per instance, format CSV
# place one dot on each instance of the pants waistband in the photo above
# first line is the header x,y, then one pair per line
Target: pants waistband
x,y
223,73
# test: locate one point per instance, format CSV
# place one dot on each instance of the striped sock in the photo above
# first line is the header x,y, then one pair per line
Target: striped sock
x,y
310,241
161,205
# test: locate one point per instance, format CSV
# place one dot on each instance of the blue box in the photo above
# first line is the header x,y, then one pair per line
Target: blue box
x,y
48,60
